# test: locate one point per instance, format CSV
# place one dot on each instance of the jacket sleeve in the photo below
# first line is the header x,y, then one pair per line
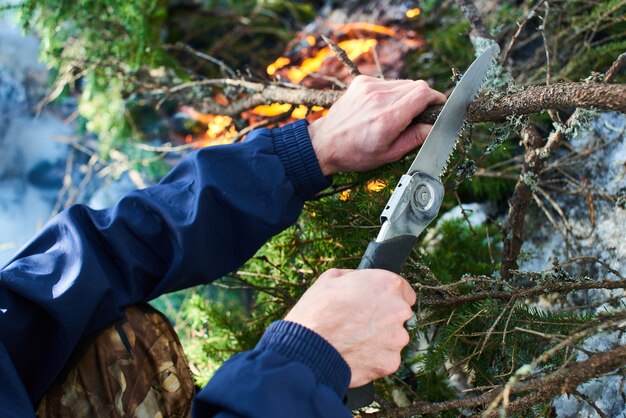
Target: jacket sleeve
x,y
204,219
293,372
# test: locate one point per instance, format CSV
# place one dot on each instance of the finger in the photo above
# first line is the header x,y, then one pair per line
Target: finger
x,y
422,130
405,289
408,294
418,99
407,141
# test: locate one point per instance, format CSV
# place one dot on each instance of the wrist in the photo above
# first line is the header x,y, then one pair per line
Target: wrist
x,y
320,150
292,144
300,344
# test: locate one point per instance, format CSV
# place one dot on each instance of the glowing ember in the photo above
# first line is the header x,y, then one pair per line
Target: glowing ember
x,y
413,13
376,186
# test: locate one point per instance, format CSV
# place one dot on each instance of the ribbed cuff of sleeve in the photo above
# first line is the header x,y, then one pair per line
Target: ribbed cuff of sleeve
x,y
293,146
302,345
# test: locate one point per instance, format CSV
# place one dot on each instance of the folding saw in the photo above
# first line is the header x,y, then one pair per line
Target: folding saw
x,y
416,200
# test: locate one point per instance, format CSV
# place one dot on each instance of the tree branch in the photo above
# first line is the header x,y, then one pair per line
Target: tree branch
x,y
615,68
560,96
342,56
533,99
544,388
449,301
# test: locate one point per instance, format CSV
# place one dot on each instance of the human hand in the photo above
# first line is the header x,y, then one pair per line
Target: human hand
x,y
370,125
361,313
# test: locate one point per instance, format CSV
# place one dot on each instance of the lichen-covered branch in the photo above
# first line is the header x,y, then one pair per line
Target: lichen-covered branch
x,y
535,99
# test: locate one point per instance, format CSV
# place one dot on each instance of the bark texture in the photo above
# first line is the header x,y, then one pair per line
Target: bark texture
x,y
533,99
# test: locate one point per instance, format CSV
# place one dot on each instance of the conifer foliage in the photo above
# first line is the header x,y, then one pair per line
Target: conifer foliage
x,y
497,330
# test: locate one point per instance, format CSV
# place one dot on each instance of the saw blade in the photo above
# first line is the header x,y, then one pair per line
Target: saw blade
x,y
433,157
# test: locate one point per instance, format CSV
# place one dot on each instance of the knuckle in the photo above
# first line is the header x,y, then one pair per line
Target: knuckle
x,y
395,282
421,84
330,274
391,364
404,338
405,314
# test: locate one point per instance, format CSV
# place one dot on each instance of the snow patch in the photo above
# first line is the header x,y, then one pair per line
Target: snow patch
x,y
598,232
477,213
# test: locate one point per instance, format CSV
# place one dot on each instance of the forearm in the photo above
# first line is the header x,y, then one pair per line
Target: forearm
x,y
209,215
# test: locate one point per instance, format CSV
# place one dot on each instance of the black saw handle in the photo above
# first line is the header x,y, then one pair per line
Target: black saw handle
x,y
387,255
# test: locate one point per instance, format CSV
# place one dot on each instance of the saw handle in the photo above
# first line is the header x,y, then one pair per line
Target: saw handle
x,y
387,255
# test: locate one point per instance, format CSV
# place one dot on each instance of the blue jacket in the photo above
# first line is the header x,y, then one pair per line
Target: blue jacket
x,y
203,220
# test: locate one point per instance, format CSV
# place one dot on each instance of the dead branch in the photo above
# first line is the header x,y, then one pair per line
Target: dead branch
x,y
615,68
545,388
454,300
520,27
536,155
560,96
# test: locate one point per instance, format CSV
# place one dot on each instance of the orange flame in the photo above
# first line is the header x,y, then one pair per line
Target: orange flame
x,y
366,27
344,196
220,128
376,186
353,47
276,109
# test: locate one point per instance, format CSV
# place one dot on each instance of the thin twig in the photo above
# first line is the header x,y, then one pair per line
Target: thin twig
x,y
589,401
464,213
202,55
520,27
342,56
615,68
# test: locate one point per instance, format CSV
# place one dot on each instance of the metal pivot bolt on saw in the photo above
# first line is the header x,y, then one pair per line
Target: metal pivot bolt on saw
x,y
416,200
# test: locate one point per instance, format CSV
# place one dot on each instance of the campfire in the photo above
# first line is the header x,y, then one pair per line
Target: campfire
x,y
308,61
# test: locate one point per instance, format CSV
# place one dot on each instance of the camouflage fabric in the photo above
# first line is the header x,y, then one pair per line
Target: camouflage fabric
x,y
135,368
